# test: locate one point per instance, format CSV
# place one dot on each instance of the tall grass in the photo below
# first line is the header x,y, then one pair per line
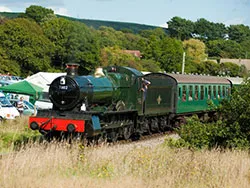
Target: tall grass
x,y
14,132
63,165
132,165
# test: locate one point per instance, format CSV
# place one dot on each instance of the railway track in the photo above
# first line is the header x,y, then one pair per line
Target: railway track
x,y
144,138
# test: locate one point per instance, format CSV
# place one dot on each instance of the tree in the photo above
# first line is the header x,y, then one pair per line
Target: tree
x,y
38,13
195,50
232,49
116,56
245,48
180,28
215,48
238,33
159,33
236,113
225,49
7,65
73,41
209,67
206,30
172,53
109,37
230,69
131,42
150,65
23,42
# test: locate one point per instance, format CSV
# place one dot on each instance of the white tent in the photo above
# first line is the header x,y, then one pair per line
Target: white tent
x,y
43,79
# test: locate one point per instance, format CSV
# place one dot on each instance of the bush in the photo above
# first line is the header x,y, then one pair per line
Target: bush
x,y
197,135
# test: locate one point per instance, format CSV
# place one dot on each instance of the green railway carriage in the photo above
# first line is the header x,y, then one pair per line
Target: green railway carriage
x,y
179,94
195,92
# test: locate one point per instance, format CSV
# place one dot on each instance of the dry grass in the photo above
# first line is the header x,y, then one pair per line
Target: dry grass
x,y
62,165
16,125
14,132
130,165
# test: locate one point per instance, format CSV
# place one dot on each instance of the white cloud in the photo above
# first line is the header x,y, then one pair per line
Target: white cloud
x,y
5,9
165,25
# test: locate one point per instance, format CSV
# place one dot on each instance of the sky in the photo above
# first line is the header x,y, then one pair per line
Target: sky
x,y
149,12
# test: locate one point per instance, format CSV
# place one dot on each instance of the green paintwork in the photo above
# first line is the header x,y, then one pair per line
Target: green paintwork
x,y
199,104
116,89
160,95
121,87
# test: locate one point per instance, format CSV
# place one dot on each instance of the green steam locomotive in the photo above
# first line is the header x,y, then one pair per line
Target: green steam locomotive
x,y
122,102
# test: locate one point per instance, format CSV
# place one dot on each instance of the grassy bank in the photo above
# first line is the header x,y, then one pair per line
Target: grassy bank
x,y
130,165
62,165
14,132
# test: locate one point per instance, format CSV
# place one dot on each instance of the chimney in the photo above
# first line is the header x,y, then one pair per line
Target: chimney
x,y
72,69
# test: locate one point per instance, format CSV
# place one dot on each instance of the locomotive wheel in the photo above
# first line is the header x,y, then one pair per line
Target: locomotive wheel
x,y
155,125
163,124
112,136
127,132
146,127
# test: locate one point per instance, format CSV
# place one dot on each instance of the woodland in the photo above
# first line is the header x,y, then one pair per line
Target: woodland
x,y
39,40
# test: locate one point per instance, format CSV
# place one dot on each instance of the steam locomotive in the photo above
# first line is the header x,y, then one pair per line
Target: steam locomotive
x,y
114,102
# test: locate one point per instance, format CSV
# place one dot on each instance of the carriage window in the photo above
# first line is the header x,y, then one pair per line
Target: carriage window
x,y
219,92
179,93
190,96
184,97
214,91
209,96
223,91
202,92
196,96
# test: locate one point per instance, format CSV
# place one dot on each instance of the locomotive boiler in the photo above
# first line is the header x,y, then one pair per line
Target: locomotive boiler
x,y
73,92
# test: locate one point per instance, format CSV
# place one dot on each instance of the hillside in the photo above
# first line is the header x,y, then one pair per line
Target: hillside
x,y
131,27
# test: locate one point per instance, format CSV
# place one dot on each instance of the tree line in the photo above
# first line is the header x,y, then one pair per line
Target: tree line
x,y
38,40
221,41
